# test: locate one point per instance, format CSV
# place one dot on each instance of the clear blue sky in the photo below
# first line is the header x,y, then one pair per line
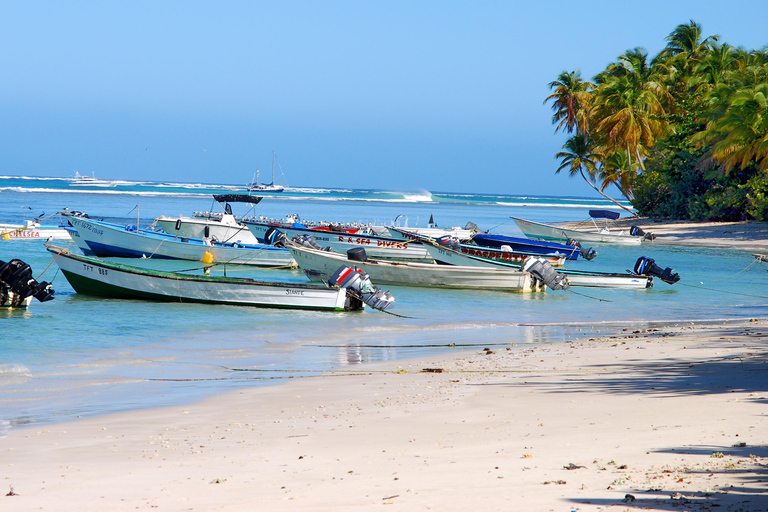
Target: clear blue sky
x,y
442,96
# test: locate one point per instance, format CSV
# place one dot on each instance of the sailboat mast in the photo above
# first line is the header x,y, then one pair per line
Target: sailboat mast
x,y
273,167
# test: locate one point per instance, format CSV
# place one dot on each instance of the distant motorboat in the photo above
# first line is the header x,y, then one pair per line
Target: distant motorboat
x,y
255,186
90,181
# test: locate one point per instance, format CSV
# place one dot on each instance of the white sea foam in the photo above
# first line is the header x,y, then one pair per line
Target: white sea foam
x,y
106,192
14,373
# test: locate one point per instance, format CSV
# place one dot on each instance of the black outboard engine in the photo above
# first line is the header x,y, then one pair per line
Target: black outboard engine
x,y
647,267
587,254
450,242
542,270
307,241
471,226
275,237
636,231
16,277
357,254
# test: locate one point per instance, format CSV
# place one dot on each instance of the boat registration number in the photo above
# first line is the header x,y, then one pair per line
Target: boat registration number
x,y
91,268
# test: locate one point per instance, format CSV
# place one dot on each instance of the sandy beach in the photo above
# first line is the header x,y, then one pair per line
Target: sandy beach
x,y
672,417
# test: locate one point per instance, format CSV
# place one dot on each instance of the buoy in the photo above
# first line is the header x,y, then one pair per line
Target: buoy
x,y
207,257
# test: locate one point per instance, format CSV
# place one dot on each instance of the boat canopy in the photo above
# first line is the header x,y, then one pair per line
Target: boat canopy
x,y
604,214
237,198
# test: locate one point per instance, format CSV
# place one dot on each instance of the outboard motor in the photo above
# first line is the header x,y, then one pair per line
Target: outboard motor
x,y
587,254
647,267
636,231
449,242
357,254
16,277
359,283
471,226
275,237
542,270
346,277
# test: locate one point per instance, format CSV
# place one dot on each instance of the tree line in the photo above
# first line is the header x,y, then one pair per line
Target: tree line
x,y
682,135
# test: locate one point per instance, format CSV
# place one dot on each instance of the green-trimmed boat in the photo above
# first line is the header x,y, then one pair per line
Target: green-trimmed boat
x,y
93,276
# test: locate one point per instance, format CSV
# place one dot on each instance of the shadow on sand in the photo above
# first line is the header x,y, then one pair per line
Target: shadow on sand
x,y
686,376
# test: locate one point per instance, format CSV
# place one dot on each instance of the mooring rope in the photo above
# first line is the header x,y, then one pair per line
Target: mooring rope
x,y
723,291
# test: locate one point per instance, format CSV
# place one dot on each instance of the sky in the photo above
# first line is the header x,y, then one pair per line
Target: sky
x,y
400,95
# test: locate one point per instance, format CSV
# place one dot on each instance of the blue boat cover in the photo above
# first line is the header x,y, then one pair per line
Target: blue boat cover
x,y
604,214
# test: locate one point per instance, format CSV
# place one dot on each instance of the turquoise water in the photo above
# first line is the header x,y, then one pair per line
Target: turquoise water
x,y
81,356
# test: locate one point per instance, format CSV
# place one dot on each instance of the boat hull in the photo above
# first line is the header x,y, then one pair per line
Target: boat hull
x,y
526,245
103,239
320,265
91,276
546,232
483,256
378,247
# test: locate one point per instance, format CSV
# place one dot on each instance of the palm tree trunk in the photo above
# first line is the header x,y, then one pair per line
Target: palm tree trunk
x,y
604,194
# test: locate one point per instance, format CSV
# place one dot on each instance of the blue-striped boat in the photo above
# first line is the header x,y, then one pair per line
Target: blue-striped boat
x,y
527,245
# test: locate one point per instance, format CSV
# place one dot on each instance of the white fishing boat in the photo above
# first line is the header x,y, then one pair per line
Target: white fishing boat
x,y
92,276
90,181
104,239
602,234
378,247
449,256
255,186
319,265
221,228
32,230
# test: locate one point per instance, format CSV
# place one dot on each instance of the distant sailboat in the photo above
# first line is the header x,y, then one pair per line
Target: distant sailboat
x,y
255,186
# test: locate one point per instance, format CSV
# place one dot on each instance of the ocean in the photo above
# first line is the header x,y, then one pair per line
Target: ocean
x,y
80,356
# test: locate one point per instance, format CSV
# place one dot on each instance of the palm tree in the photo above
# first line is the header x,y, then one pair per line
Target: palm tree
x,y
613,171
628,106
716,66
686,47
580,157
742,133
570,102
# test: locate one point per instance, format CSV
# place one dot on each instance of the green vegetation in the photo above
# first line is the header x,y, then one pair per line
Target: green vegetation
x,y
683,135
